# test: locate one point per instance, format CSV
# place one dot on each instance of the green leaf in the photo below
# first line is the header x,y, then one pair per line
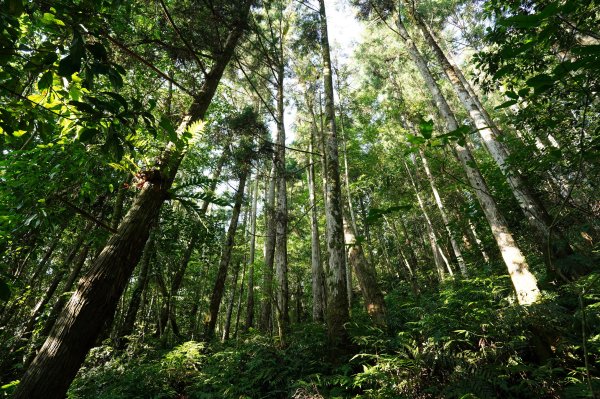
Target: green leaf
x,y
506,104
539,81
376,213
426,128
69,65
166,125
98,51
84,107
88,134
45,81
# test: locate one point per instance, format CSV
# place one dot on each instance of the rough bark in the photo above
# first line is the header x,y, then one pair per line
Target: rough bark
x,y
98,293
337,300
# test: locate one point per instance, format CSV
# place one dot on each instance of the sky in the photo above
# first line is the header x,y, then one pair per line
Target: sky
x,y
345,32
343,28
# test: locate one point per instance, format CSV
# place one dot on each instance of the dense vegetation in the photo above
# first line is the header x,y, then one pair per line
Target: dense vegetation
x,y
213,199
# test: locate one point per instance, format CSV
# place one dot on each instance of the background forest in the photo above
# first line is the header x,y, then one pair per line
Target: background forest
x,y
210,199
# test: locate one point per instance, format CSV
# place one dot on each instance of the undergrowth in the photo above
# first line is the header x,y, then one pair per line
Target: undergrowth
x,y
466,339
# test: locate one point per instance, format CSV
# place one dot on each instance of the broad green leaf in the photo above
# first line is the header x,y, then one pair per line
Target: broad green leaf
x,y
88,134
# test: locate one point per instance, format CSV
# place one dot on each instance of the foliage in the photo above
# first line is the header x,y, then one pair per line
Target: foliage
x,y
467,340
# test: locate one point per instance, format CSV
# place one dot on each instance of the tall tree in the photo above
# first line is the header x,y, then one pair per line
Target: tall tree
x,y
78,326
337,301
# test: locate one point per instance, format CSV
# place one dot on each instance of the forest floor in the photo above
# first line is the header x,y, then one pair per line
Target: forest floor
x,y
463,339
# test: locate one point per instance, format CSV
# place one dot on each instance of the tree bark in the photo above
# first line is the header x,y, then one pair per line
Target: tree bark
x,y
281,212
318,294
249,322
534,211
337,299
440,205
98,293
366,276
266,306
217,293
523,280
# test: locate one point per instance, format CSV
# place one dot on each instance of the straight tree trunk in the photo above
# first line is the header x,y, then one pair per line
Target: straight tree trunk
x,y
440,205
217,293
266,306
168,310
534,211
366,276
98,293
337,296
249,322
523,280
439,258
227,324
318,294
281,262
136,296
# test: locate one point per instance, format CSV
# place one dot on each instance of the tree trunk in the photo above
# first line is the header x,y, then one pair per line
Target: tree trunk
x,y
366,276
523,280
337,299
534,211
217,293
266,306
227,325
78,326
440,205
318,294
136,296
168,310
438,255
249,322
281,266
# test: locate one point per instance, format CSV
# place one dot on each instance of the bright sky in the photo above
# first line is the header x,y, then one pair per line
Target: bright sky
x,y
345,32
343,28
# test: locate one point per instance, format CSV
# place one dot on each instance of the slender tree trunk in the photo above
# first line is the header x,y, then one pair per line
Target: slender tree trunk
x,y
249,322
266,306
217,294
227,324
366,276
168,310
281,266
523,280
136,296
78,326
337,298
58,277
239,303
318,294
440,259
440,205
534,211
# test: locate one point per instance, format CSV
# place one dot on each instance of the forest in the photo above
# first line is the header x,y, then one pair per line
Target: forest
x,y
299,199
